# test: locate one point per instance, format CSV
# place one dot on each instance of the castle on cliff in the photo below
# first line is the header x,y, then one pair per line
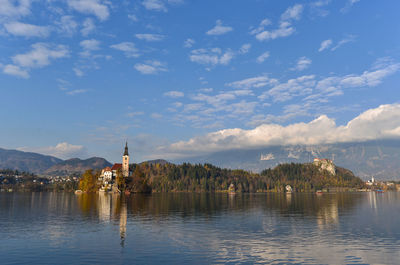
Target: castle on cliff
x,y
325,164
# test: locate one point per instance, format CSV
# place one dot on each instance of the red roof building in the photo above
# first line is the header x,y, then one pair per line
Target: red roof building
x,y
116,166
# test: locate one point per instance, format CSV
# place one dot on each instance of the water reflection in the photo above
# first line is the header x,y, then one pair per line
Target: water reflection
x,y
325,210
202,228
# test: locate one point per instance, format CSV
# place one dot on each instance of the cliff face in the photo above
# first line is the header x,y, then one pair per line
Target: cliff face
x,y
325,164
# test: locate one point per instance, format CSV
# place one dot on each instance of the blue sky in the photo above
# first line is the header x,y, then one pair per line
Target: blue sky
x,y
178,77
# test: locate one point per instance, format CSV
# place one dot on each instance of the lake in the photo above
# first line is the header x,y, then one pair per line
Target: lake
x,y
200,228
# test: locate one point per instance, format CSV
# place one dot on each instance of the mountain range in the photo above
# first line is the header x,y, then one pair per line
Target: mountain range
x,y
380,159
47,165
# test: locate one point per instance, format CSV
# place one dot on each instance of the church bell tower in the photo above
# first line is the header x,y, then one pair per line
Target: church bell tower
x,y
125,162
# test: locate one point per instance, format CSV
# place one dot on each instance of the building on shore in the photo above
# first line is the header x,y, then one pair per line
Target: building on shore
x,y
109,174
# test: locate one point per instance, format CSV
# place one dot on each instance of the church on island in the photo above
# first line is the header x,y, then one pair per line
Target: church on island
x,y
108,175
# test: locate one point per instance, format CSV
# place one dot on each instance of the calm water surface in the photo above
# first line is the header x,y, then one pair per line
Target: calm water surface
x,y
63,228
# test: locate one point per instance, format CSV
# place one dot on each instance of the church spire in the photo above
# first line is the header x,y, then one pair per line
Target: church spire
x,y
126,149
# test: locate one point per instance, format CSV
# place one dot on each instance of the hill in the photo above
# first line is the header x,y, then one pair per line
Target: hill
x,y
76,165
26,161
208,178
47,165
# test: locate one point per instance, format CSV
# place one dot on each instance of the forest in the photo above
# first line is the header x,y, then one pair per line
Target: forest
x,y
167,177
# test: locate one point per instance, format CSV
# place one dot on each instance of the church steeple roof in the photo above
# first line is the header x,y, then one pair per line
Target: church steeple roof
x,y
126,150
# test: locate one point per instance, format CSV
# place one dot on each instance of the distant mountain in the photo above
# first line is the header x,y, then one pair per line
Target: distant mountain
x,y
373,158
48,165
26,161
76,165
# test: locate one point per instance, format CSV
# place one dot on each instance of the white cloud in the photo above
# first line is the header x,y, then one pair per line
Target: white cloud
x,y
88,26
91,44
285,29
26,30
128,48
76,92
40,55
312,88
302,64
62,150
156,115
350,38
211,57
150,37
253,82
325,45
349,5
265,22
302,85
155,5
379,123
189,43
219,29
160,5
67,25
133,18
150,67
11,8
318,7
262,57
94,7
15,70
135,113
78,72
292,13
245,48
174,94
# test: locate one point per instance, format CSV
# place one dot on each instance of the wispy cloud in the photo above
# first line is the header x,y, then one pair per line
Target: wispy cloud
x,y
285,28
302,64
62,150
15,70
128,48
245,48
174,94
349,5
150,67
212,56
89,46
88,27
26,30
325,45
160,5
310,87
95,7
40,55
15,9
76,92
67,25
292,13
253,82
189,43
262,57
219,29
150,37
348,39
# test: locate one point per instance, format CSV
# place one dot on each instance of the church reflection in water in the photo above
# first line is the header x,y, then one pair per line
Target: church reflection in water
x,y
114,208
107,207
